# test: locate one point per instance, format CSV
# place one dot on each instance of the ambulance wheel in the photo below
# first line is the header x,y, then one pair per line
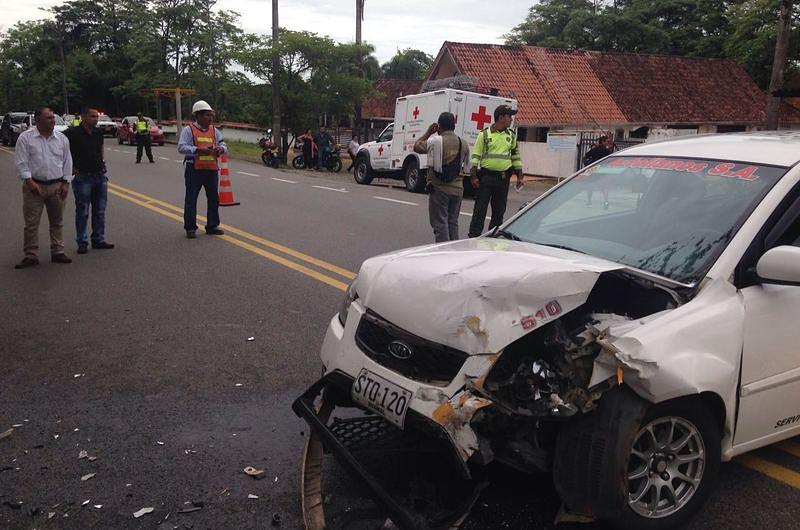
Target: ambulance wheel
x,y
362,173
415,181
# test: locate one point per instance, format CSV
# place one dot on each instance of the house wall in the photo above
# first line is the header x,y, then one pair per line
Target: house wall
x,y
538,160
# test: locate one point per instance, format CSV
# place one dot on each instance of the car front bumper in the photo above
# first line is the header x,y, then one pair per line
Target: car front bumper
x,y
420,433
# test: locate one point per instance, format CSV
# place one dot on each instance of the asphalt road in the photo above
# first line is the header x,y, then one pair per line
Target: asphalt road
x,y
174,362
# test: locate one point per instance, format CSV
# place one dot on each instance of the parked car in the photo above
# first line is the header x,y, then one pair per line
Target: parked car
x,y
626,349
125,131
107,125
12,127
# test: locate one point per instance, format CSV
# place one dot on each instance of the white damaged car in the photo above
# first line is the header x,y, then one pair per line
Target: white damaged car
x,y
628,344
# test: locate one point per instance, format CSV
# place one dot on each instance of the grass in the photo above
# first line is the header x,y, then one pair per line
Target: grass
x,y
244,150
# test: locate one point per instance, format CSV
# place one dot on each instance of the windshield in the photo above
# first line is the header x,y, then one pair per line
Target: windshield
x,y
103,117
17,118
667,216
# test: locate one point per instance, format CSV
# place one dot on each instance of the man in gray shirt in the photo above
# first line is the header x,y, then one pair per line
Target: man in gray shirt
x,y
44,164
447,156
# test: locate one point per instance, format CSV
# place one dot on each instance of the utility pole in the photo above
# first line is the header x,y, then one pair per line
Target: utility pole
x,y
63,68
779,64
276,66
359,19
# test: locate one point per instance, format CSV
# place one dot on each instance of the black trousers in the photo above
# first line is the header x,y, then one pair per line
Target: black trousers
x,y
493,189
143,141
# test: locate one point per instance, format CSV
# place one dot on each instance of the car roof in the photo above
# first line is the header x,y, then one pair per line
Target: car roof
x,y
777,148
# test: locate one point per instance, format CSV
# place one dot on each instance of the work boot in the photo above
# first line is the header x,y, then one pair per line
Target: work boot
x,y
26,262
60,258
83,248
191,234
102,245
152,161
215,231
138,161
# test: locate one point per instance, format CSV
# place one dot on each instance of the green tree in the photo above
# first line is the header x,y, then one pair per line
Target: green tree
x,y
407,64
317,75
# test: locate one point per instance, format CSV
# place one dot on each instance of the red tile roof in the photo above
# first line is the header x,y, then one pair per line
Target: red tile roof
x,y
382,105
577,87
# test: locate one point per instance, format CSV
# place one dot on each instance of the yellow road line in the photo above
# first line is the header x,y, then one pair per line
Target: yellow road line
x,y
263,253
789,447
765,467
5,149
247,235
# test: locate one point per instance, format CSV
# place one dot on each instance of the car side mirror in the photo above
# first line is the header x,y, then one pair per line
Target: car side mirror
x,y
780,265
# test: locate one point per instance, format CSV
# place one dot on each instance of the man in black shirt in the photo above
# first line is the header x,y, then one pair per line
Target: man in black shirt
x,y
598,152
90,184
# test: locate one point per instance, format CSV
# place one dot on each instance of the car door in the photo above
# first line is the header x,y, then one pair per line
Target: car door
x,y
769,394
382,150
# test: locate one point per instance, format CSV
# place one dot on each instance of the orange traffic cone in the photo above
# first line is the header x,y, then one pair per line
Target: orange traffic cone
x,y
225,190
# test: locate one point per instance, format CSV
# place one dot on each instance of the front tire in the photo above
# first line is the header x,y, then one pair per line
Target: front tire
x,y
673,466
335,165
415,180
299,162
362,173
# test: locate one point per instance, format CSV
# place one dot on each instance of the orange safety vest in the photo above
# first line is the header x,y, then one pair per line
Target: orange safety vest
x,y
205,139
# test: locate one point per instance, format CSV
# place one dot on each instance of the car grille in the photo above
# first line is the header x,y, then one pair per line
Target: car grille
x,y
429,362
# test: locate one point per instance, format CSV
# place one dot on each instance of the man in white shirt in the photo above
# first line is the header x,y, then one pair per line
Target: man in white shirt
x,y
44,164
447,157
352,150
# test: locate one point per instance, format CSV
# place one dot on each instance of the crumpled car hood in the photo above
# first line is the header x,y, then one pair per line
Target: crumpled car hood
x,y
477,295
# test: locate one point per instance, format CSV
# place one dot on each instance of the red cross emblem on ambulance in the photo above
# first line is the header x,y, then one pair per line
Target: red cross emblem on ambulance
x,y
481,118
380,150
416,112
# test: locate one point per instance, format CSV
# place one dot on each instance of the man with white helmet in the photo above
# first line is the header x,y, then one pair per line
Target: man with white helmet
x,y
201,144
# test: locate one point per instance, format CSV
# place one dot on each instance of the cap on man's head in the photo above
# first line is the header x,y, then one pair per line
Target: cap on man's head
x,y
503,110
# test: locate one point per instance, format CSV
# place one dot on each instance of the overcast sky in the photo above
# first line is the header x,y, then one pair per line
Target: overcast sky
x,y
388,25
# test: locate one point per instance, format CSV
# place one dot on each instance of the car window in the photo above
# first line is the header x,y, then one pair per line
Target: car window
x,y
103,117
386,135
671,217
60,120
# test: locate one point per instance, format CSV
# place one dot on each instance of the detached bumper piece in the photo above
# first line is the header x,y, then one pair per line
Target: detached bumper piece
x,y
372,434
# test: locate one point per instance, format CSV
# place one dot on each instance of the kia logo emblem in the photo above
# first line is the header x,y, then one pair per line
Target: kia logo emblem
x,y
400,350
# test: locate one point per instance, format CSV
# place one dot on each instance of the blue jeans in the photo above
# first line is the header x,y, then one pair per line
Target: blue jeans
x,y
196,179
322,155
90,191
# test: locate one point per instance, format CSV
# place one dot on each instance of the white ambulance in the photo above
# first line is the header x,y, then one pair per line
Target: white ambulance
x,y
392,154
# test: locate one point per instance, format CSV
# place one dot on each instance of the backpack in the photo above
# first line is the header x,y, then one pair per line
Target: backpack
x,y
452,169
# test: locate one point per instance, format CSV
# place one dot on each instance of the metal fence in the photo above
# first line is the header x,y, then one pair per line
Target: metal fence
x,y
588,140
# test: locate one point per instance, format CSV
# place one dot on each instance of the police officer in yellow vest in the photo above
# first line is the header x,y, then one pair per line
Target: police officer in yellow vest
x,y
141,127
495,158
201,145
75,121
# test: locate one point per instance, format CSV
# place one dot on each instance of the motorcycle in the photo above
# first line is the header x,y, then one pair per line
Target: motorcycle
x,y
332,162
270,152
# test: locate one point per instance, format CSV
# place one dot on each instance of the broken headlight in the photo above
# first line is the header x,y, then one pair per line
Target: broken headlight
x,y
350,296
546,373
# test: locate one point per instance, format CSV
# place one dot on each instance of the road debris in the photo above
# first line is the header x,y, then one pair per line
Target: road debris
x,y
255,473
143,511
276,519
238,385
92,458
14,505
50,515
17,425
97,506
194,507
189,451
251,496
78,375
250,339
87,501
83,454
6,434
160,443
88,476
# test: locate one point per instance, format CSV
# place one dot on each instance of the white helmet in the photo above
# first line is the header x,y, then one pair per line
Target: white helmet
x,y
200,106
